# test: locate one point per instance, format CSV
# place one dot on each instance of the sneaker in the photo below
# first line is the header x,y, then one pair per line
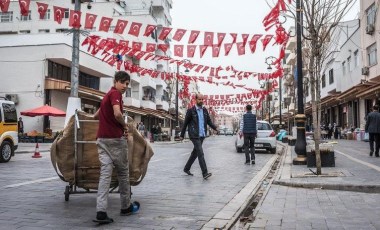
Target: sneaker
x,y
102,218
188,172
132,209
207,175
247,163
371,153
253,162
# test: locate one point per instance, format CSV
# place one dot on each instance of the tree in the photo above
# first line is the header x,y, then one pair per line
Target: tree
x,y
321,18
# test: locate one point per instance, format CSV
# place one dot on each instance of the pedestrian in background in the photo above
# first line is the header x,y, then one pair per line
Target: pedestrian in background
x,y
20,125
196,120
249,130
112,149
372,127
141,129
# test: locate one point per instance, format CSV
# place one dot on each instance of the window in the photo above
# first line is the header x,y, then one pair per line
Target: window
x,y
349,64
43,31
6,17
323,81
356,59
60,30
26,18
24,32
372,54
331,76
47,15
371,14
10,114
344,67
67,13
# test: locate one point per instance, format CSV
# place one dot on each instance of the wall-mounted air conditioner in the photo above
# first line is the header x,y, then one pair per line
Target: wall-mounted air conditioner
x,y
365,70
370,29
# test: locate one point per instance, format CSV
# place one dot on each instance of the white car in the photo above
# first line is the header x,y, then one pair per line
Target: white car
x,y
266,138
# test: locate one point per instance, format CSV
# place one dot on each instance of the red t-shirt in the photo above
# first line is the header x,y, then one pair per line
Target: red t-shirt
x,y
109,127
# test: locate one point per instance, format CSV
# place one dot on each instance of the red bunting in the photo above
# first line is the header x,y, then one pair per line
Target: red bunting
x,y
178,50
209,38
240,48
266,40
135,29
164,33
137,46
24,7
163,47
221,37
120,26
227,48
253,42
150,47
4,5
179,34
234,36
193,36
149,29
59,13
90,20
74,20
215,51
105,24
191,50
203,50
245,38
42,8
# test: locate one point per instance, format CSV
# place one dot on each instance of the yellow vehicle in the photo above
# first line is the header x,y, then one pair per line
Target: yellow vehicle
x,y
8,130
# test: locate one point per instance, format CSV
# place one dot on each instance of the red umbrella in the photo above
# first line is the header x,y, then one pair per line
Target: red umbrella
x,y
44,111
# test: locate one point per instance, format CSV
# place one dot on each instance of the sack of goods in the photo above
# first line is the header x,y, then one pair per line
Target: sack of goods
x,y
74,153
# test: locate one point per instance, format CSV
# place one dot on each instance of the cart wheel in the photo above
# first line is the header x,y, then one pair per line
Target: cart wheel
x,y
67,193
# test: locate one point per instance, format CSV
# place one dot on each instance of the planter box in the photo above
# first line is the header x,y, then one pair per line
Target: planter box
x,y
292,141
327,159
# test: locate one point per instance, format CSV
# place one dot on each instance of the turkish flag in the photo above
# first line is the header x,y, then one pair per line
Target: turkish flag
x,y
202,50
234,36
149,29
164,33
163,47
266,40
4,5
136,46
227,48
179,34
105,24
193,36
178,50
221,37
74,20
120,26
245,38
215,50
208,39
240,48
150,47
59,13
191,50
90,20
135,29
42,8
24,7
253,42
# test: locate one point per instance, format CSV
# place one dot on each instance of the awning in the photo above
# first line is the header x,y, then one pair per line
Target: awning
x,y
166,114
369,91
351,93
135,110
153,112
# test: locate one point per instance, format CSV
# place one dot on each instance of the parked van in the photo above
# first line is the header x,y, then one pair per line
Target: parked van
x,y
8,130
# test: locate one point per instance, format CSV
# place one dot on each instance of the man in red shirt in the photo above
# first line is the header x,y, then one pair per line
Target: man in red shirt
x,y
112,149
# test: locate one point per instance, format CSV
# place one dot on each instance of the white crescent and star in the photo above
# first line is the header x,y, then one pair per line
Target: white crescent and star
x,y
23,3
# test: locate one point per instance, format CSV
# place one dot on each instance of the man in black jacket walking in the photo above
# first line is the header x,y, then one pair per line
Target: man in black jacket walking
x,y
372,126
196,120
249,130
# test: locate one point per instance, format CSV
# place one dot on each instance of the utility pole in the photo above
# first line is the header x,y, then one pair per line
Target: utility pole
x,y
300,118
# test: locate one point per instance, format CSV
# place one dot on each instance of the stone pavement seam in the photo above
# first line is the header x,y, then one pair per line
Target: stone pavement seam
x,y
231,212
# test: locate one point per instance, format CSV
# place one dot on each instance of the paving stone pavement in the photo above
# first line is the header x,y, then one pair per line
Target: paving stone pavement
x,y
287,207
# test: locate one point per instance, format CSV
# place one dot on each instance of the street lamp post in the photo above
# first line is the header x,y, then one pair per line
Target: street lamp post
x,y
300,118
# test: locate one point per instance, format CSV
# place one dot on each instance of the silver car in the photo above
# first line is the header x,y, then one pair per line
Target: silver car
x,y
266,138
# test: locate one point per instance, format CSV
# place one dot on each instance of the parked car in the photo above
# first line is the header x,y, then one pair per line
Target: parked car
x,y
266,138
229,132
8,130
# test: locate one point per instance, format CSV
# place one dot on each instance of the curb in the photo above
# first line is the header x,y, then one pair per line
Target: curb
x,y
29,151
342,187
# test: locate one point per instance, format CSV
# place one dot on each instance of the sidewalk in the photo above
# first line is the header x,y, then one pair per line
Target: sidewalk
x,y
343,197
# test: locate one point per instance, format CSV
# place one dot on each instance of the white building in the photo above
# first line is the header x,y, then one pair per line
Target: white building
x,y
36,54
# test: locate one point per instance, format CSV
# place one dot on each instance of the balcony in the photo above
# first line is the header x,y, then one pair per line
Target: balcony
x,y
135,77
291,45
148,82
145,103
129,101
161,104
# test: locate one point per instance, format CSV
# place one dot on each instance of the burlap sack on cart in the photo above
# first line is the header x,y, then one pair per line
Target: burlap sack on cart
x,y
85,173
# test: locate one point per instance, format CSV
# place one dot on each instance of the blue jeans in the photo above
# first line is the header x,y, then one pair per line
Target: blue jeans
x,y
197,152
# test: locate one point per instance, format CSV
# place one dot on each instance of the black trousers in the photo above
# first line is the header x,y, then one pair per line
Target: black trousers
x,y
249,146
374,137
197,153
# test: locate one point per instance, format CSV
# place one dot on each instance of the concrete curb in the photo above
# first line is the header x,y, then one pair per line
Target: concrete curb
x,y
31,151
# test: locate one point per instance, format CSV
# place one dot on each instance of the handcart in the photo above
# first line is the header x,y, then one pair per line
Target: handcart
x,y
86,161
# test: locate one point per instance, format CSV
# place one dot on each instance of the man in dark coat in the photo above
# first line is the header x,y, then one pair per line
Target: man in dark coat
x,y
249,130
372,127
196,120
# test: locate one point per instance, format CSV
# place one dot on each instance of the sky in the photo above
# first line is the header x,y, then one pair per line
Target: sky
x,y
238,16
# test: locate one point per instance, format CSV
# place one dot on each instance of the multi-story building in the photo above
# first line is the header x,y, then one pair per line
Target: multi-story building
x,y
36,54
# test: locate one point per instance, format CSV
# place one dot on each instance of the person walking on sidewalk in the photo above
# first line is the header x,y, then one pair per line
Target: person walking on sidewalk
x,y
372,127
112,149
249,130
197,118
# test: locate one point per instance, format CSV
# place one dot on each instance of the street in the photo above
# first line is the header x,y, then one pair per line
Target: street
x,y
32,195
